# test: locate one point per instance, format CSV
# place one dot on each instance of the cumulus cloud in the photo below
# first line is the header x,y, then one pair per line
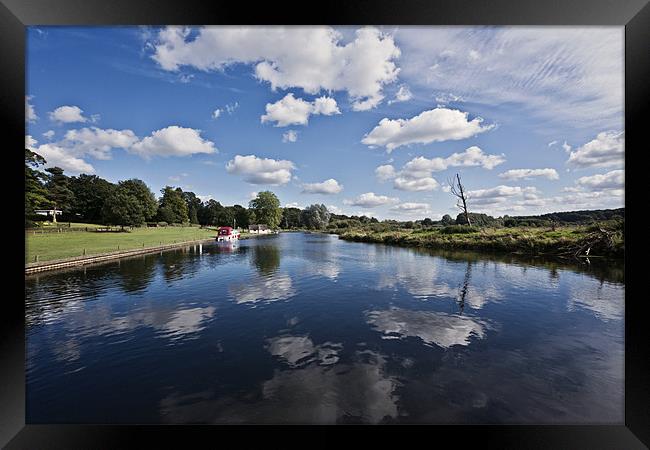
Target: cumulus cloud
x,y
416,175
68,114
296,111
501,194
98,142
229,108
30,113
49,134
290,136
371,200
312,58
385,172
403,94
412,208
327,187
261,170
517,174
173,141
216,113
436,125
605,150
59,157
610,180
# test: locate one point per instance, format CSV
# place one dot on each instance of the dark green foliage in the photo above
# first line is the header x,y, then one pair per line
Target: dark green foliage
x,y
447,220
90,193
266,208
35,192
291,218
458,229
139,190
315,217
481,220
59,194
193,205
173,208
123,208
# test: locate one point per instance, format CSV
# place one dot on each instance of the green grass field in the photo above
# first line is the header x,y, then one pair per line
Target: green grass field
x,y
50,246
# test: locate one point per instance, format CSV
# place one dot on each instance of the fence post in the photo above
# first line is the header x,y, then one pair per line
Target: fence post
x,y
35,258
84,252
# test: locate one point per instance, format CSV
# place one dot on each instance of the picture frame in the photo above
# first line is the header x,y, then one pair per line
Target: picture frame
x,y
15,15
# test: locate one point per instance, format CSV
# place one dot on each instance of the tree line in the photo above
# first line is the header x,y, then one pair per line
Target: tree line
x,y
130,203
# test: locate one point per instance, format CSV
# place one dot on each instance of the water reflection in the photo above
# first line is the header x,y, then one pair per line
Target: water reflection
x,y
441,329
277,287
372,334
354,392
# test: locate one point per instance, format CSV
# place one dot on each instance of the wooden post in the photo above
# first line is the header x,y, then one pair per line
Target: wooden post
x,y
35,258
84,252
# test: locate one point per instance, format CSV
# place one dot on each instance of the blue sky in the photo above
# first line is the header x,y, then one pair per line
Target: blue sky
x,y
365,120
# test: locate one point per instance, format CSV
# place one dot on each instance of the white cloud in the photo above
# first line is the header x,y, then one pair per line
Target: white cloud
x,y
566,147
229,108
290,136
204,198
292,205
311,58
570,75
30,114
59,157
385,172
610,180
216,113
516,174
403,94
173,141
327,187
98,142
606,150
334,209
68,114
436,125
412,208
447,97
261,170
49,134
552,143
371,200
501,194
416,175
296,111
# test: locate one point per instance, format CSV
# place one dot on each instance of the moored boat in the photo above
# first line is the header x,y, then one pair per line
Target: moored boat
x,y
227,234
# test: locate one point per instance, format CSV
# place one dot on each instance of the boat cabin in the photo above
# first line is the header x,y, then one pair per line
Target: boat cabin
x,y
227,234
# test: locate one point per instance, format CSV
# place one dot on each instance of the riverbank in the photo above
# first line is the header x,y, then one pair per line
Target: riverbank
x,y
79,244
562,242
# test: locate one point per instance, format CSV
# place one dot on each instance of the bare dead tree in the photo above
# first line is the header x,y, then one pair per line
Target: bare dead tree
x,y
458,191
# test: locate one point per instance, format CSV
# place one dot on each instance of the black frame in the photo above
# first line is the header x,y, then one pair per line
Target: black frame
x,y
15,15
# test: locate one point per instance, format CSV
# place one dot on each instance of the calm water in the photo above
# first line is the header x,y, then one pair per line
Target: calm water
x,y
306,328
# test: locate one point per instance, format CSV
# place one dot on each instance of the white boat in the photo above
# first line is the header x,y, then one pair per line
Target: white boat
x,y
227,234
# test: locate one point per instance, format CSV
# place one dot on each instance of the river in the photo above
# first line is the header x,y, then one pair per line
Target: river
x,y
306,328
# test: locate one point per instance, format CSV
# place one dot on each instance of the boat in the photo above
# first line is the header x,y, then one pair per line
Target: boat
x,y
227,234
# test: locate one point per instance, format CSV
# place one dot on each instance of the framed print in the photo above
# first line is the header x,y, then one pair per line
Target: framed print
x,y
405,216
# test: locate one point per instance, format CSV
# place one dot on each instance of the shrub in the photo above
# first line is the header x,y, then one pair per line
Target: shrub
x,y
162,224
458,229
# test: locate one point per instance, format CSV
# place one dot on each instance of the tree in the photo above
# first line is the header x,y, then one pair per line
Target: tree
x,y
458,190
266,207
90,193
447,220
208,213
241,216
315,216
427,222
193,204
35,192
123,208
59,194
291,218
173,208
141,191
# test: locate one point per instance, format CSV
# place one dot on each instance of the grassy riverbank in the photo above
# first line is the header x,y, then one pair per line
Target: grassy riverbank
x,y
51,246
602,240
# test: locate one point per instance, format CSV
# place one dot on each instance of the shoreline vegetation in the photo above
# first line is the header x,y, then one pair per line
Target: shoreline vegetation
x,y
563,242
